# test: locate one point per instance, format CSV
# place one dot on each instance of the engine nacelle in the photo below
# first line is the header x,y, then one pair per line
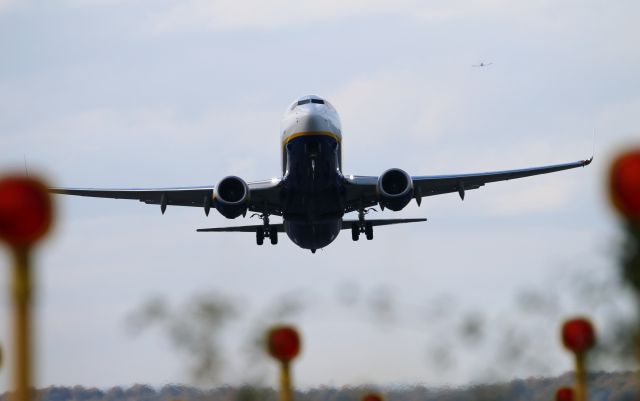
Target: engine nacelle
x,y
231,197
394,189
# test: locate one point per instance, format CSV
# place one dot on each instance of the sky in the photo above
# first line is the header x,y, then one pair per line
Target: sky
x,y
159,93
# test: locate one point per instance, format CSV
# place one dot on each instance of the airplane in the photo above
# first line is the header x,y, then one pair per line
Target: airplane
x,y
313,195
482,64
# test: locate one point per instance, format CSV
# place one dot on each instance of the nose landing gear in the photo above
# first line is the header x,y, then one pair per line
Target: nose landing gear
x,y
266,231
362,226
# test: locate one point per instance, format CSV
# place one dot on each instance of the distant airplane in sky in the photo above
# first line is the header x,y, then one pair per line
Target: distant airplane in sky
x,y
313,194
482,64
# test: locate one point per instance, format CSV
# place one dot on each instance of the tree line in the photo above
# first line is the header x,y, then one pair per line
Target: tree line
x,y
617,386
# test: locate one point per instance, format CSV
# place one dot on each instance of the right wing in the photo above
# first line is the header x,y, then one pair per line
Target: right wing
x,y
441,184
264,198
361,190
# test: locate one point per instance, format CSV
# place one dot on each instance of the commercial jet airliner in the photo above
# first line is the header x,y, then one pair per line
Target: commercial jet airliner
x,y
313,194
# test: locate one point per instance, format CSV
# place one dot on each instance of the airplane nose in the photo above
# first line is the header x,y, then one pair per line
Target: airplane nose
x,y
312,121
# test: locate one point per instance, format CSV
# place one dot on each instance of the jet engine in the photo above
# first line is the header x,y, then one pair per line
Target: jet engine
x,y
394,189
232,197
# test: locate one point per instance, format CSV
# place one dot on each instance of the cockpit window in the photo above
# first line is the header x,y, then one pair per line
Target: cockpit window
x,y
305,101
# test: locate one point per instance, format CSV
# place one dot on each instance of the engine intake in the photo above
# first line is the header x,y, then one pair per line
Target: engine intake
x,y
232,197
395,189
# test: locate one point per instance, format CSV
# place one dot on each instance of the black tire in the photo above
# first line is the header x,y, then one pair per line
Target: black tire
x,y
260,236
355,233
368,231
273,235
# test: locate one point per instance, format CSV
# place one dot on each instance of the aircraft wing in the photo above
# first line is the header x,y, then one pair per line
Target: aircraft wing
x,y
265,195
361,190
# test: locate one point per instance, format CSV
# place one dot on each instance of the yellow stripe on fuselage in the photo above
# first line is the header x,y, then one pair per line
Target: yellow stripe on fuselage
x,y
310,133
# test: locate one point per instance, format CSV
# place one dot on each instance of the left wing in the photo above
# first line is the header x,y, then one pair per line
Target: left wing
x,y
361,190
265,195
185,196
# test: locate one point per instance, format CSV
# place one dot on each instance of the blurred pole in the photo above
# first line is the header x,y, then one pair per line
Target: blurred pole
x,y
283,344
581,378
286,393
25,218
21,291
578,336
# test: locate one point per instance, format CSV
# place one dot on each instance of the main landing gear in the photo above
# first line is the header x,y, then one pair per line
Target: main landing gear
x,y
266,231
362,226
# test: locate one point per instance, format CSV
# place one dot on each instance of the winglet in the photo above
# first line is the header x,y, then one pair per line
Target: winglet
x,y
593,151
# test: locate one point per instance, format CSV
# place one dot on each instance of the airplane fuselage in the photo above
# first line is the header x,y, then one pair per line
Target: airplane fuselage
x,y
313,184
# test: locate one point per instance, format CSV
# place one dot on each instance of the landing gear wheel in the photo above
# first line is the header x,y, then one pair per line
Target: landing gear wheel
x,y
273,235
260,236
355,233
368,231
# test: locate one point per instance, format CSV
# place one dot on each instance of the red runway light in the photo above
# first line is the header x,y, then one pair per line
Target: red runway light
x,y
283,343
25,211
624,184
564,394
374,397
578,335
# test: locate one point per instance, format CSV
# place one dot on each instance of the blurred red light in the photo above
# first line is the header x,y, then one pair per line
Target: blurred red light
x,y
372,397
25,210
283,343
624,184
564,394
578,335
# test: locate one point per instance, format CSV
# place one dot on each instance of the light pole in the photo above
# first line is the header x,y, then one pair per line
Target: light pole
x,y
283,343
578,336
25,217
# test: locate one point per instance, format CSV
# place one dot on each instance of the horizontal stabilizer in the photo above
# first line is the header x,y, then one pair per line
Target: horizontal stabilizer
x,y
240,229
347,224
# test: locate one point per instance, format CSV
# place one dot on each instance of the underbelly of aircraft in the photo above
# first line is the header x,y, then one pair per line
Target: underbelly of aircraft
x,y
314,235
313,191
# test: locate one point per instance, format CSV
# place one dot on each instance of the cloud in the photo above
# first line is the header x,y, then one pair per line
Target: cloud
x,y
546,195
95,3
7,5
616,120
196,15
77,148
231,15
383,108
